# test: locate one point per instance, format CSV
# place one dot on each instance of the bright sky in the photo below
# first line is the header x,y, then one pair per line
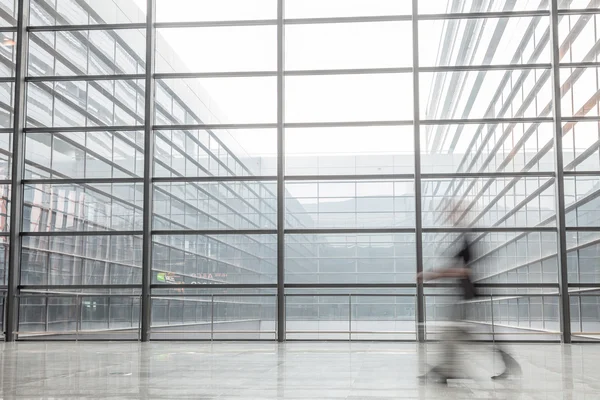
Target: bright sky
x,y
327,46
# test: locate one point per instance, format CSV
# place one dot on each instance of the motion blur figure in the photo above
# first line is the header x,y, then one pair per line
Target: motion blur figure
x,y
451,365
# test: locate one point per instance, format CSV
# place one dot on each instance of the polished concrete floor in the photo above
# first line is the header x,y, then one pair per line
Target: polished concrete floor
x,y
295,370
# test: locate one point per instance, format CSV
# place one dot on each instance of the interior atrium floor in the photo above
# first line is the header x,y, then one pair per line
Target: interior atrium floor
x,y
294,370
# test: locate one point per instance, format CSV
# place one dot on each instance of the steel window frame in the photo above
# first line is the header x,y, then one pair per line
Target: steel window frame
x,y
17,180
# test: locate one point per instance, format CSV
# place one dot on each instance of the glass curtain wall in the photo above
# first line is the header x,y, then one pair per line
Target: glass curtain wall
x,y
282,169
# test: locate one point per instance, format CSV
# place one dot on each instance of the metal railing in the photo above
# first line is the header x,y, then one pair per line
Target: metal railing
x,y
80,332
214,321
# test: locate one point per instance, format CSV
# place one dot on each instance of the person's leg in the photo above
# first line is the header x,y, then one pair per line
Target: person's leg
x,y
511,366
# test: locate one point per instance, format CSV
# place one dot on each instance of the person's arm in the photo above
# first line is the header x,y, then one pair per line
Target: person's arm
x,y
444,273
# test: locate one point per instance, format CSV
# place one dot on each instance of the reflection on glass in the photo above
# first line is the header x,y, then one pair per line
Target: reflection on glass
x,y
350,204
498,202
476,148
86,207
215,152
81,260
486,94
500,41
216,259
364,258
218,205
84,155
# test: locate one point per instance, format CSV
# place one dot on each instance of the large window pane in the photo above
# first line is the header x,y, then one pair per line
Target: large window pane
x,y
380,97
350,259
581,144
349,151
499,257
358,45
502,202
459,6
8,42
215,205
499,41
220,49
506,147
84,155
84,12
95,52
87,207
217,100
6,104
8,14
486,94
214,10
215,259
582,201
578,35
345,8
81,260
580,91
200,153
350,204
81,103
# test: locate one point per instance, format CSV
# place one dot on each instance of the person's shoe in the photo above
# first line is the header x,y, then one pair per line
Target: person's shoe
x,y
514,372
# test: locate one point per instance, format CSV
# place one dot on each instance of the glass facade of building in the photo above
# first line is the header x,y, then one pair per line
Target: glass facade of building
x,y
282,169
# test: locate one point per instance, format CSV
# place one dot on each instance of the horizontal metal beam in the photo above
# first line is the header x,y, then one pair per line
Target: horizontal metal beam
x,y
568,118
478,15
342,124
192,295
215,286
484,175
214,232
75,78
342,231
94,27
350,286
349,71
79,233
583,64
66,129
582,228
579,11
189,127
196,179
582,173
490,229
492,67
483,121
346,20
584,285
215,24
365,177
81,181
200,75
78,287
375,294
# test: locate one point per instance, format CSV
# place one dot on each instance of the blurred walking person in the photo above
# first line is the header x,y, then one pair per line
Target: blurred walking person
x,y
459,270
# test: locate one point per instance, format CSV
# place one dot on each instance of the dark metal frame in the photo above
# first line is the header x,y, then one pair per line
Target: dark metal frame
x,y
17,180
18,167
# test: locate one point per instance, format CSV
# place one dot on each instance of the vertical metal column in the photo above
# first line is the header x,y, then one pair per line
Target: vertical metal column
x,y
420,311
148,170
18,164
565,312
280,174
